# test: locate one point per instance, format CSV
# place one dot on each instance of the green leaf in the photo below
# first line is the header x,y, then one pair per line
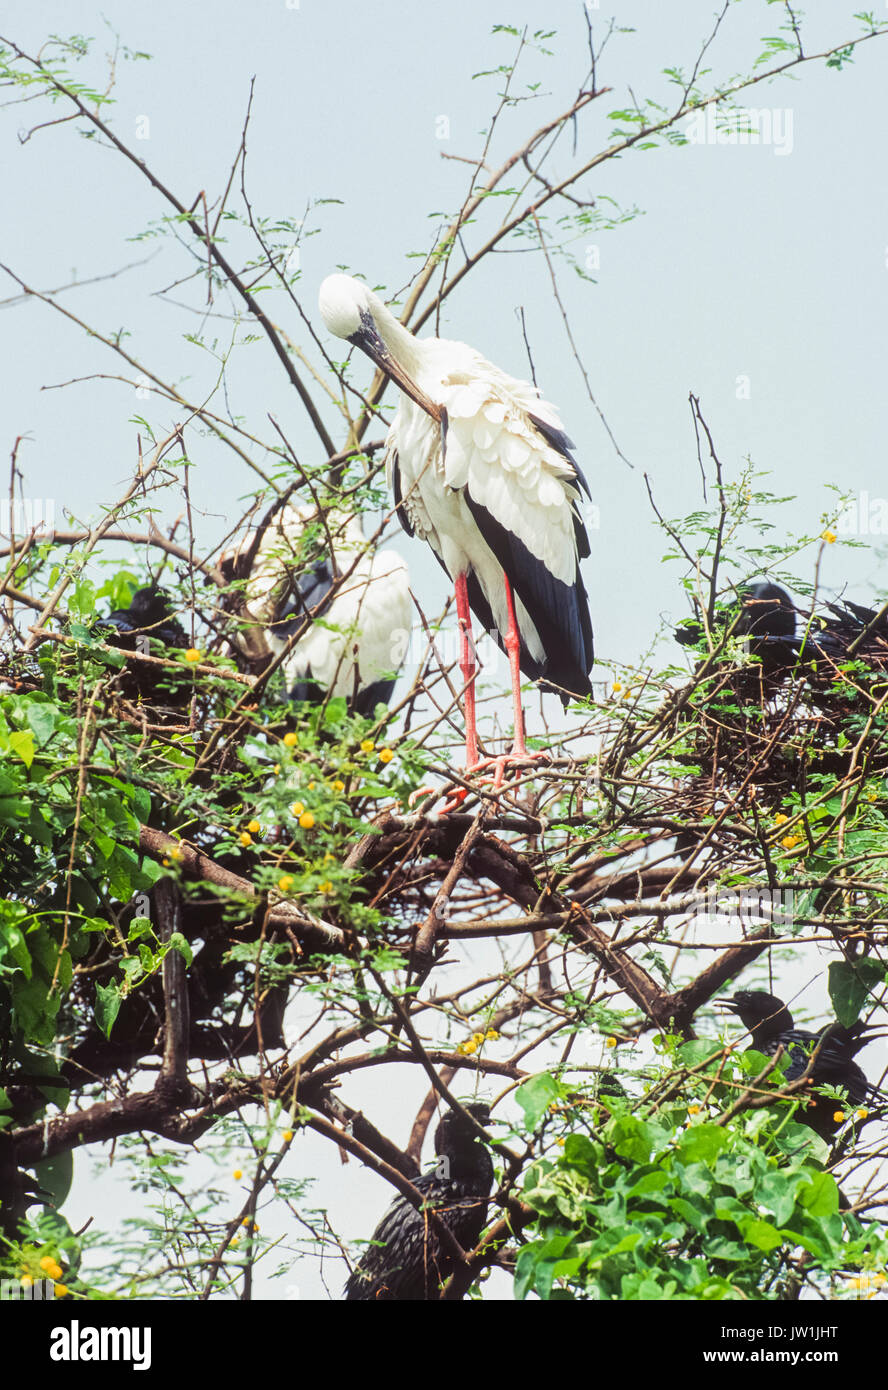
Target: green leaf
x,y
702,1143
22,745
43,719
535,1096
850,983
55,1175
108,1000
179,943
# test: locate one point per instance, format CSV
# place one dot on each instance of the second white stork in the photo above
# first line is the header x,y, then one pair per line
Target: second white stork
x,y
482,469
347,606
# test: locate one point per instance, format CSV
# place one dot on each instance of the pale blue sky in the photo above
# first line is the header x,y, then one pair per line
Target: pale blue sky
x,y
744,262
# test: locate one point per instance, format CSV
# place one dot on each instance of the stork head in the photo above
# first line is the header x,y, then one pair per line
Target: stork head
x,y
352,311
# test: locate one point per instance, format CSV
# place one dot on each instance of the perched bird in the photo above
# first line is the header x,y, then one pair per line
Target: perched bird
x,y
406,1260
351,604
149,615
481,468
765,616
770,1025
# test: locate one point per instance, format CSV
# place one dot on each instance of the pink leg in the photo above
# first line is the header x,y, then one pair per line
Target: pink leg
x,y
513,649
467,667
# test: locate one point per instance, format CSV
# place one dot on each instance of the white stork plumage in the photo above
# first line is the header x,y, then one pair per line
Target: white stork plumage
x,y
481,468
358,638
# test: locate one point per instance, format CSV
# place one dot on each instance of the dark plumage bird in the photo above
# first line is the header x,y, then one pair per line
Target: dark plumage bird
x,y
149,615
771,1025
766,618
407,1261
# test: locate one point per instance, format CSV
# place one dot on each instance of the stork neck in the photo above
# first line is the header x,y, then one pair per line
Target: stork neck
x,y
398,339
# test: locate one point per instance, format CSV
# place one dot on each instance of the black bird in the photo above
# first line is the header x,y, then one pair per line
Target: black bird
x,y
407,1260
766,618
149,615
771,1025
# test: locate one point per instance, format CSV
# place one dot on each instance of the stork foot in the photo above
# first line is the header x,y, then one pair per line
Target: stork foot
x,y
518,759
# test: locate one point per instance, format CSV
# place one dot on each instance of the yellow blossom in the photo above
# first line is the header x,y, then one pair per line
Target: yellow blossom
x,y
325,887
306,820
175,852
618,685
385,755
491,1035
297,808
311,786
780,818
26,1281
276,769
50,1267
338,786
290,740
863,1114
285,882
237,1174
245,838
828,536
193,654
838,1116
790,841
611,1042
693,1109
287,1136
254,827
60,1290
367,745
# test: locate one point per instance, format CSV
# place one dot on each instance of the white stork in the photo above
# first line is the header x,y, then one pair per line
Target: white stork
x,y
358,638
481,468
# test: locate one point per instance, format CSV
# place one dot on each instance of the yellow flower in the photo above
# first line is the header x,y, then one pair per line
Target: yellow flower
x,y
693,1109
790,841
234,1243
311,786
297,808
290,740
245,838
863,1114
193,654
287,1136
611,1042
627,694
468,1047
385,755
491,1035
276,769
338,786
166,863
285,882
175,852
246,1221
560,1143
26,1281
237,1174
50,1267
325,887
60,1290
838,1116
618,685
254,826
307,820
828,536
780,818
367,746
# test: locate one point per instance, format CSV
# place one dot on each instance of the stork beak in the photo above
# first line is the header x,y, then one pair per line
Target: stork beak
x,y
369,341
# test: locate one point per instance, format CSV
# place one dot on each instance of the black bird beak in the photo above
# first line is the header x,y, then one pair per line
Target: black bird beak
x,y
726,1003
369,341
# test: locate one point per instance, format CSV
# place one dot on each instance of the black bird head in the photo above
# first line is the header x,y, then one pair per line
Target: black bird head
x,y
767,610
454,1132
763,1014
